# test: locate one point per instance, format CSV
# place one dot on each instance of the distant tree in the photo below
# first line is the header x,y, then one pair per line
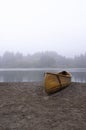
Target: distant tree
x,y
41,59
8,59
0,61
47,61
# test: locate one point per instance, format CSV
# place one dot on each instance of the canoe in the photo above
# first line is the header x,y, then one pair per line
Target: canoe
x,y
56,81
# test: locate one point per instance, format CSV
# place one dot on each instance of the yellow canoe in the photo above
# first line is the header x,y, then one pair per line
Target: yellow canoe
x,y
56,81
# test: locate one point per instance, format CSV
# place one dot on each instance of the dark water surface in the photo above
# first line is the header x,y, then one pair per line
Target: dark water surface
x,y
37,74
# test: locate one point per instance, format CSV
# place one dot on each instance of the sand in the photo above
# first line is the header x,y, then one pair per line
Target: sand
x,y
26,106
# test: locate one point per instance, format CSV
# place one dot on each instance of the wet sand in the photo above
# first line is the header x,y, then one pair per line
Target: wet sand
x,y
26,106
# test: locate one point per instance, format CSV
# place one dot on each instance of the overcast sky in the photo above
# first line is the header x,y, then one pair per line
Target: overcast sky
x,y
29,26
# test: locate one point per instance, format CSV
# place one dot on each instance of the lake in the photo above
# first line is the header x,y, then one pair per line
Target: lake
x,y
37,74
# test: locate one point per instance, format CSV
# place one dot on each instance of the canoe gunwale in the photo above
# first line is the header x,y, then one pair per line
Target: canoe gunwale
x,y
59,74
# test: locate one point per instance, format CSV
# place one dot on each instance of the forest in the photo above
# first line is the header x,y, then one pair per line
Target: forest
x,y
48,59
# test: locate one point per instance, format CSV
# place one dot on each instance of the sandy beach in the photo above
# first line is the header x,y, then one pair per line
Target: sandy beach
x,y
26,106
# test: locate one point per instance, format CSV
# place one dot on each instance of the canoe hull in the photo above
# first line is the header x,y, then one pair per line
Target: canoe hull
x,y
54,82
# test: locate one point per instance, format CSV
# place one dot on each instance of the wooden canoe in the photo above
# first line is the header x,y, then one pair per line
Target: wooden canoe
x,y
56,81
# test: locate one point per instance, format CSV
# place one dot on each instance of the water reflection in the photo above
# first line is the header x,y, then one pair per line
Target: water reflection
x,y
20,76
30,76
79,77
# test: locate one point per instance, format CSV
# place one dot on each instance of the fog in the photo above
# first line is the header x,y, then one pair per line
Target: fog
x,y
30,26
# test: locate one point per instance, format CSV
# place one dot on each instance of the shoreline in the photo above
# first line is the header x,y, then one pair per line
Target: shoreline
x,y
25,106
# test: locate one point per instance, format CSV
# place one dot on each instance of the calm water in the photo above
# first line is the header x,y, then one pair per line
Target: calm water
x,y
30,75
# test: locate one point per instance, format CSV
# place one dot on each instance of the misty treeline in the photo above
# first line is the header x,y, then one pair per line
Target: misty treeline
x,y
40,60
